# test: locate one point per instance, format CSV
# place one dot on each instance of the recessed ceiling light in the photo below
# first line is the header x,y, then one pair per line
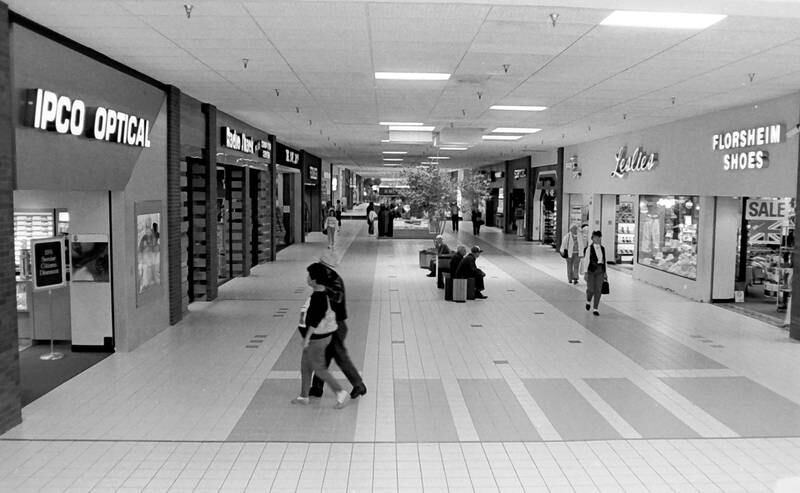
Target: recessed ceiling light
x,y
517,108
395,152
403,124
438,157
502,137
391,164
411,76
515,130
661,20
385,140
392,159
453,148
401,128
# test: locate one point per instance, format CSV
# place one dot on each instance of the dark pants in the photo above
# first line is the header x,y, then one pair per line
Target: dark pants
x,y
454,219
338,352
594,287
371,227
479,282
339,218
476,228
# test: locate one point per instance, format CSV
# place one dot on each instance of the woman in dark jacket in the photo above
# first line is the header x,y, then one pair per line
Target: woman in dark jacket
x,y
594,267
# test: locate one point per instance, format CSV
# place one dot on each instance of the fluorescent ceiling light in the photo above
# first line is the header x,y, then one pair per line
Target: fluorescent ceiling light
x,y
410,76
395,152
517,108
662,20
392,159
502,137
402,124
426,163
385,140
453,148
391,164
515,130
438,157
412,128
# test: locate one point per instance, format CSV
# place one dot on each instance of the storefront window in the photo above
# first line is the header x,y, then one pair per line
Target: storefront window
x,y
668,233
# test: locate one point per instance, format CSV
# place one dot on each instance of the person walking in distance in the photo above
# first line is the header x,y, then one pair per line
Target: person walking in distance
x,y
371,216
594,267
336,350
339,212
519,219
477,220
454,218
317,324
572,247
330,228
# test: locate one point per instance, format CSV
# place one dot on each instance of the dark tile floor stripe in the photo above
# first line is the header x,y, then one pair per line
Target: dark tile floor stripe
x,y
496,412
573,417
270,417
642,412
746,407
422,413
643,344
360,256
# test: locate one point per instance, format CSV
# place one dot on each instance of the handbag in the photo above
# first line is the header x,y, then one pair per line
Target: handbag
x,y
564,254
605,289
325,230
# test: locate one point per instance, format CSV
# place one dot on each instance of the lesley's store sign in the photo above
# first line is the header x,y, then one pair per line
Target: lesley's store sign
x,y
738,141
238,141
638,161
61,114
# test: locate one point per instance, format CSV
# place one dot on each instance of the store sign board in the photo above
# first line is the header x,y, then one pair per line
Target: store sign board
x,y
743,148
638,161
49,263
237,141
767,209
313,173
46,110
264,149
520,173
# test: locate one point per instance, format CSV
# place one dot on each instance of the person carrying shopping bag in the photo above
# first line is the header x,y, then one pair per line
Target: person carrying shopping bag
x,y
572,247
593,268
331,225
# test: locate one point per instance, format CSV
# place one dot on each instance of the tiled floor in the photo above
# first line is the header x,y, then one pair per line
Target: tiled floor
x,y
524,391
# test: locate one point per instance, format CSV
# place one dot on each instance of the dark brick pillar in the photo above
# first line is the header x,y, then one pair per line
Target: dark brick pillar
x,y
10,404
276,213
794,327
210,163
174,204
508,184
247,225
559,198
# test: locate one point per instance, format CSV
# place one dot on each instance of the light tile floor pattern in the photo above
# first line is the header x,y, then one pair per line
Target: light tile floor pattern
x,y
483,396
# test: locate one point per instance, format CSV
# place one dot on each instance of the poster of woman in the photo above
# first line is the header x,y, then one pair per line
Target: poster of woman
x,y
148,252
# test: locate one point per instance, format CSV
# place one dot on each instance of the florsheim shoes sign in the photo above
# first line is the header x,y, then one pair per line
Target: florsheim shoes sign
x,y
739,145
47,110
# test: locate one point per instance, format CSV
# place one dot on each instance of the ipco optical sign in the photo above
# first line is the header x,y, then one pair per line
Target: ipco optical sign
x,y
742,147
64,115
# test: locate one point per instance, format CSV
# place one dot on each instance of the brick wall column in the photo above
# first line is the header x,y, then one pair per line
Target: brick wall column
x,y
174,204
210,163
275,214
559,198
10,404
794,304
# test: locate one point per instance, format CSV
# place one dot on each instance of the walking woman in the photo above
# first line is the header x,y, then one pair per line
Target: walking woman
x,y
331,225
317,324
594,266
572,247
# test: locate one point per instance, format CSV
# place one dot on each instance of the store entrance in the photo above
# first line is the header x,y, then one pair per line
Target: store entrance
x,y
491,207
764,255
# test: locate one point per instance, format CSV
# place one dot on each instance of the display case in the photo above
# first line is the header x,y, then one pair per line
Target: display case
x,y
668,227
625,240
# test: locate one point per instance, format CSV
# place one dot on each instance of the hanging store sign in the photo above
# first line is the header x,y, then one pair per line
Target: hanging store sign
x,y
264,149
237,141
638,161
520,173
47,110
313,173
739,146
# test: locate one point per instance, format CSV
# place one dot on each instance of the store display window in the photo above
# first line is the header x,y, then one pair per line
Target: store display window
x,y
668,233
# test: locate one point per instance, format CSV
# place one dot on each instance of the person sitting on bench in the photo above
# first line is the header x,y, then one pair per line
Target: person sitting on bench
x,y
467,269
457,258
439,248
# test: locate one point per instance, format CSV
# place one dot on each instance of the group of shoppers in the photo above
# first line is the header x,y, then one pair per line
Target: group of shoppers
x,y
384,215
462,264
323,328
588,261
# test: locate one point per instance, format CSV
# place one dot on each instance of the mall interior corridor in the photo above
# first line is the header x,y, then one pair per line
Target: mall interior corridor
x,y
524,391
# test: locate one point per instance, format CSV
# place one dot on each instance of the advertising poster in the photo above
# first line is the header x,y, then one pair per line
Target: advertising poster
x,y
148,251
89,260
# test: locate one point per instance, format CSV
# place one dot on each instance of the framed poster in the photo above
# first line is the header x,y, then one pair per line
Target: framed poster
x,y
148,251
89,258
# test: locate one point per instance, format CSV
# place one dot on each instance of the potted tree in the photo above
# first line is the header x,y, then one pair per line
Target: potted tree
x,y
430,192
474,188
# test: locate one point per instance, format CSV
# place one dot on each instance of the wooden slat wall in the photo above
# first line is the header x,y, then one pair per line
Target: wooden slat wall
x,y
185,224
197,209
236,182
264,205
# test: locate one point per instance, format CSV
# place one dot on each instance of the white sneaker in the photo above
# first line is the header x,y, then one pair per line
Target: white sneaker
x,y
303,401
596,312
341,399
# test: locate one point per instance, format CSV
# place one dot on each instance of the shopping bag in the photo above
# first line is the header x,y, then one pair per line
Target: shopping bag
x,y
605,289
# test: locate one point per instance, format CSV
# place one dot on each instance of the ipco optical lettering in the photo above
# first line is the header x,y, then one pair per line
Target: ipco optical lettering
x,y
61,114
743,139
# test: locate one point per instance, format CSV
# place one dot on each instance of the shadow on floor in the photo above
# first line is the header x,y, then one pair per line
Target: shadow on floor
x,y
38,377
